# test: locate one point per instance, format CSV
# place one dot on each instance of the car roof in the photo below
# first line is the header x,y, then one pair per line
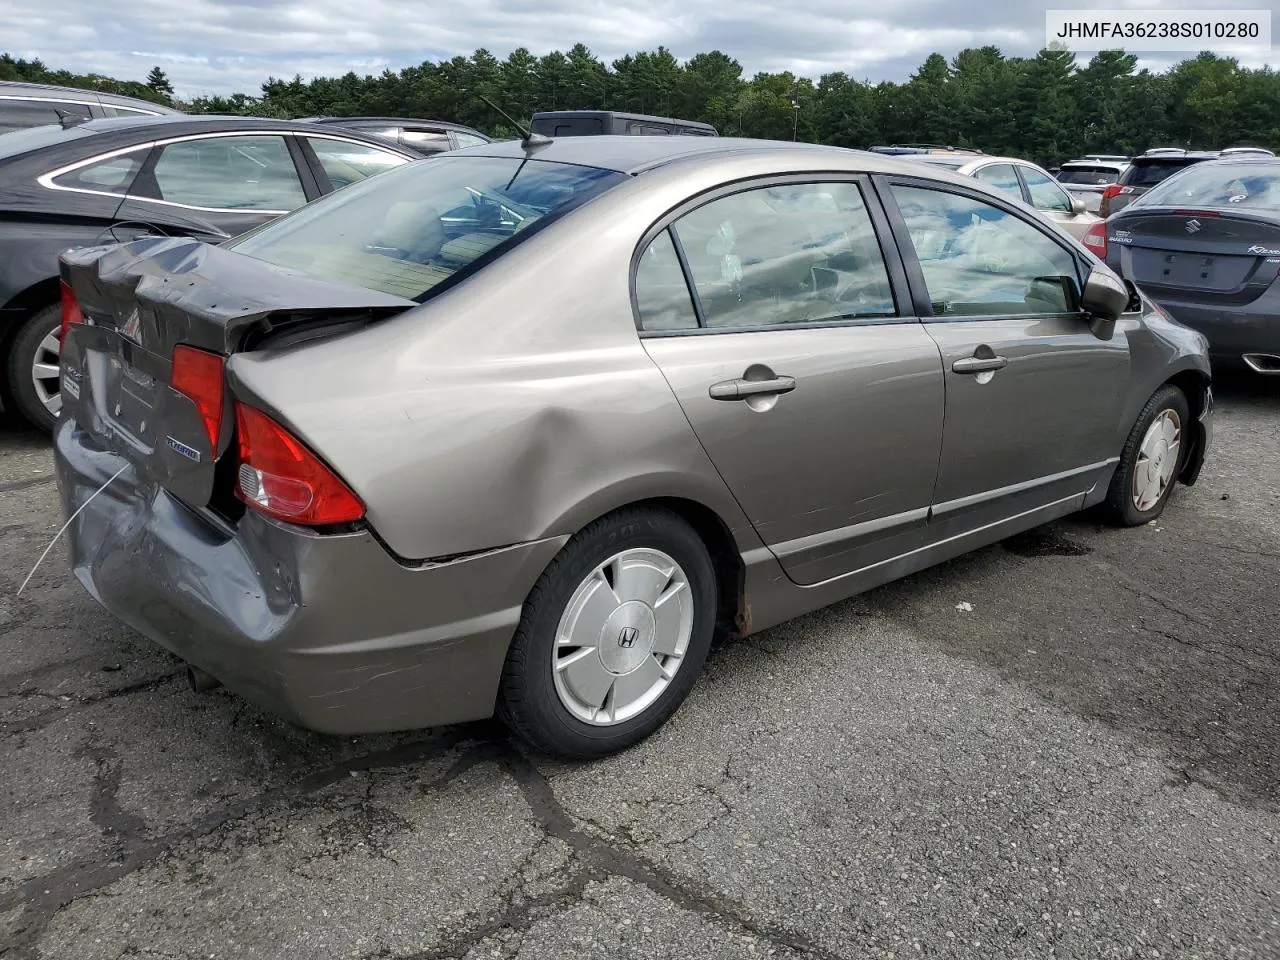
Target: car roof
x,y
569,114
48,91
178,124
339,121
632,155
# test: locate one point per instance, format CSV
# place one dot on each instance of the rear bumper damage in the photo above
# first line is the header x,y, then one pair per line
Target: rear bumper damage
x,y
330,631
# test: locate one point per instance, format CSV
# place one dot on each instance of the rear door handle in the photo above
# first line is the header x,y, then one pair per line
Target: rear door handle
x,y
979,364
742,389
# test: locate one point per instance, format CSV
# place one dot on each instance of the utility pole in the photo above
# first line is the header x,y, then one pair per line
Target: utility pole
x,y
795,125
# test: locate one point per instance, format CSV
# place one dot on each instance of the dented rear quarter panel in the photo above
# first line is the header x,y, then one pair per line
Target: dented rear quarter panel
x,y
517,405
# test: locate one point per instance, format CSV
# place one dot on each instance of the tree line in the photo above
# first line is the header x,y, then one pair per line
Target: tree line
x,y
1045,108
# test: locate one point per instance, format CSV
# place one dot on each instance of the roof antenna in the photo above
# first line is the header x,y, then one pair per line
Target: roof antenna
x,y
529,140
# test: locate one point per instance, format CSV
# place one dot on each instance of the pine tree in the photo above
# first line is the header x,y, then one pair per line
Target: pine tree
x,y
159,83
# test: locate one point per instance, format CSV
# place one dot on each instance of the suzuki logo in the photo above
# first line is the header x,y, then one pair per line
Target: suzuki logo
x,y
1193,226
628,637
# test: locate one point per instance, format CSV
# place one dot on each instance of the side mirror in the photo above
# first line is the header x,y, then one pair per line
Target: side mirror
x,y
1078,206
1104,299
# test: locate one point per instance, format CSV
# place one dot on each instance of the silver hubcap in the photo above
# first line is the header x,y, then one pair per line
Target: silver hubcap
x,y
622,637
1157,460
44,373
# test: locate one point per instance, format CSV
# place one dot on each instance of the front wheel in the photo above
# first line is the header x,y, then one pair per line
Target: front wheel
x,y
612,637
1151,461
32,368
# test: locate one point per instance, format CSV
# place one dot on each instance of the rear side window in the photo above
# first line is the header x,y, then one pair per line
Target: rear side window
x,y
411,229
113,175
662,295
230,173
979,260
468,140
421,138
345,162
786,254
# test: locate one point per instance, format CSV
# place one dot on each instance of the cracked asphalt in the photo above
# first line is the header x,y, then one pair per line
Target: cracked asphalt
x,y
1084,764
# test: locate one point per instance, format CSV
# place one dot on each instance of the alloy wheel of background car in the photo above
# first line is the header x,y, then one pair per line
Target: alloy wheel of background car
x,y
622,636
612,637
1151,460
33,369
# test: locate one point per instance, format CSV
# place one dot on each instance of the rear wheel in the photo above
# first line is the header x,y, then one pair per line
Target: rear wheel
x,y
1152,458
613,636
32,368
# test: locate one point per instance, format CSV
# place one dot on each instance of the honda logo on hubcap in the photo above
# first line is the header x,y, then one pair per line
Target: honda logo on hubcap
x,y
628,637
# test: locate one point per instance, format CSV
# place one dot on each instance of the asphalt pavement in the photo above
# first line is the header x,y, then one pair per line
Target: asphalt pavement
x,y
1066,746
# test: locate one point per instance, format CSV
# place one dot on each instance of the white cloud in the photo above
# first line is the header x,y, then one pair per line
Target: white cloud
x,y
224,46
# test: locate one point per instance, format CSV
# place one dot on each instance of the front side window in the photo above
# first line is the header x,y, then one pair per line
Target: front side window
x,y
113,175
424,139
979,260
787,254
230,173
1045,193
412,228
345,162
1003,177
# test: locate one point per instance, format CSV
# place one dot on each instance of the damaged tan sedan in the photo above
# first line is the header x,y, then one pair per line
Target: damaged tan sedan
x,y
522,427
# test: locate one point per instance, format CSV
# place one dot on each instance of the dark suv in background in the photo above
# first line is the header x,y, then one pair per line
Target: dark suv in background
x,y
1157,165
25,105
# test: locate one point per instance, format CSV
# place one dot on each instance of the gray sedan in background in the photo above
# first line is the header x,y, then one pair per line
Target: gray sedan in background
x,y
520,429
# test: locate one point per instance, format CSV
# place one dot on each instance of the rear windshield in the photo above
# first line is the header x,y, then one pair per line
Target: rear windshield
x,y
1147,173
406,231
35,138
1092,176
1254,186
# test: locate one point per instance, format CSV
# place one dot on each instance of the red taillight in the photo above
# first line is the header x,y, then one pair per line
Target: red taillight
x,y
1109,194
198,375
71,312
280,477
1096,239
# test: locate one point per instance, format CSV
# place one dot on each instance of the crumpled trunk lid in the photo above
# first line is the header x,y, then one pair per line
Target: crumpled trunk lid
x,y
140,301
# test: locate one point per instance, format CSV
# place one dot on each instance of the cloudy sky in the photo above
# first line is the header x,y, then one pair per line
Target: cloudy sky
x,y
223,46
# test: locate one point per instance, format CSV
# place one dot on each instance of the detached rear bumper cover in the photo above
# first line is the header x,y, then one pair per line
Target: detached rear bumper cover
x,y
329,631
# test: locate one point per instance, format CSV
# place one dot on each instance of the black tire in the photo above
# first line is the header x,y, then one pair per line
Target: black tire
x,y
1119,507
18,364
528,702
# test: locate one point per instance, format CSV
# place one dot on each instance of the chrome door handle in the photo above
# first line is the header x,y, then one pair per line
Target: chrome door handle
x,y
742,389
979,364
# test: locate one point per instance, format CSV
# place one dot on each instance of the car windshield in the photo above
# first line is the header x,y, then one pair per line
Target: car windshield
x,y
36,138
1092,176
409,230
1252,185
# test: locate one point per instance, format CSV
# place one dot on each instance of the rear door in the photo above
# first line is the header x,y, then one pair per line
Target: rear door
x,y
783,329
1032,394
218,185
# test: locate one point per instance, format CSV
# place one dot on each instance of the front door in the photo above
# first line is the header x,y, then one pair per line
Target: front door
x,y
1032,394
818,400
